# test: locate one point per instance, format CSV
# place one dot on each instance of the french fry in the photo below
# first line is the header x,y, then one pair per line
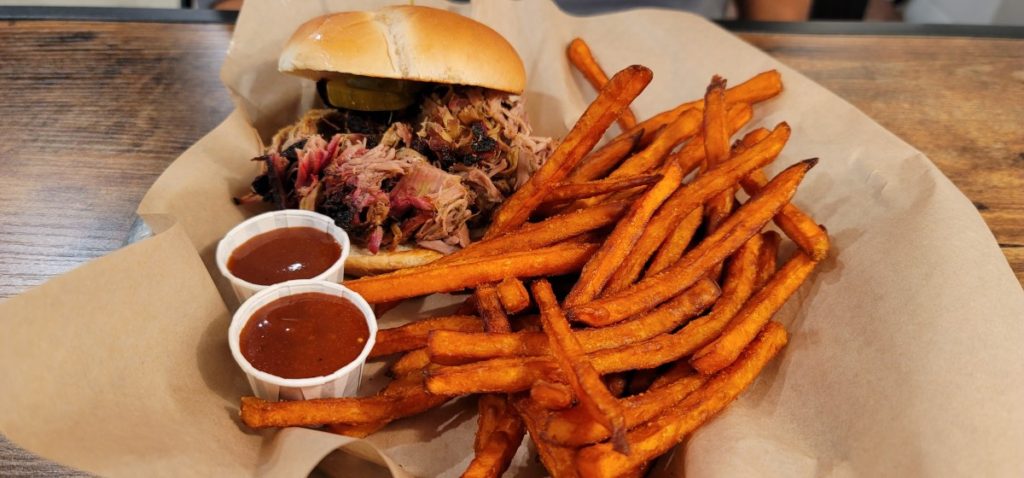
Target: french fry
x,y
412,362
766,259
691,155
570,191
452,347
414,334
552,396
746,222
684,126
677,371
586,383
688,198
580,56
499,433
604,159
673,247
558,460
716,150
490,308
403,397
571,428
664,432
603,263
535,235
519,373
754,315
548,261
613,98
513,295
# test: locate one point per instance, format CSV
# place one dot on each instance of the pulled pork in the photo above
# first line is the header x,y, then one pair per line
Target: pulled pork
x,y
422,176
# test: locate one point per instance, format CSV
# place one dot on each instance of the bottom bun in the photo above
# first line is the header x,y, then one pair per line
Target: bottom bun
x,y
362,262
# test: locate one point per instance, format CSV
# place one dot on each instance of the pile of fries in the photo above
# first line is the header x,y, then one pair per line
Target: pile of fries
x,y
652,286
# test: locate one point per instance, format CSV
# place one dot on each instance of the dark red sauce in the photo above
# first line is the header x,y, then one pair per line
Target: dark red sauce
x,y
304,335
284,254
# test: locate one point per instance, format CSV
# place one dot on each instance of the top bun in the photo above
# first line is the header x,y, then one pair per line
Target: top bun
x,y
405,42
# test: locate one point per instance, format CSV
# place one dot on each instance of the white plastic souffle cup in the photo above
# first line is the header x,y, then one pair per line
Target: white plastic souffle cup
x,y
267,222
342,383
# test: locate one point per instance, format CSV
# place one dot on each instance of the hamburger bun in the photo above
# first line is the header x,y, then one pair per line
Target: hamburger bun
x,y
362,262
407,43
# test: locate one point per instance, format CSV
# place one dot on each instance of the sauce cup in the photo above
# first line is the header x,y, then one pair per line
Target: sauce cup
x,y
270,221
343,382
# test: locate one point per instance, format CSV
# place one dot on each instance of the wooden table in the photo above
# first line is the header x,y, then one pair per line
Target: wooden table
x,y
93,111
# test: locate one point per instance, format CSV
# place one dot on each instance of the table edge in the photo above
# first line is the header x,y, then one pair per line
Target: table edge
x,y
161,15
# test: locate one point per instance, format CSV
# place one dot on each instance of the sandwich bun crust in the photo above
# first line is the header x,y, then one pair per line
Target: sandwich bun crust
x,y
362,262
405,42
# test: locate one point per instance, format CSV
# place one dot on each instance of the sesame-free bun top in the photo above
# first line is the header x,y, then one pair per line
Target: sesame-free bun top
x,y
405,42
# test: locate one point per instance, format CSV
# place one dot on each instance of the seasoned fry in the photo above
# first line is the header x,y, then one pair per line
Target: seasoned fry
x,y
603,160
603,263
757,312
552,396
673,247
414,334
664,432
767,258
571,428
691,155
548,261
684,126
586,383
716,150
401,398
613,98
580,56
558,460
452,347
795,223
688,198
412,362
746,222
513,295
535,235
569,191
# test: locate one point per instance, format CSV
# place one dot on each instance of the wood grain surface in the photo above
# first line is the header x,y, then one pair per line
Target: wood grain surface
x,y
92,112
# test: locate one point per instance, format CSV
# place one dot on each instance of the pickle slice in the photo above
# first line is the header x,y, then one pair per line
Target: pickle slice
x,y
370,94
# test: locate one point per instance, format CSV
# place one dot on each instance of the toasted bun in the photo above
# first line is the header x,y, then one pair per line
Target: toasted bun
x,y
405,42
361,262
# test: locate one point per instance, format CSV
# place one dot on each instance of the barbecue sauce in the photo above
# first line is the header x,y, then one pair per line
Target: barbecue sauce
x,y
284,254
304,335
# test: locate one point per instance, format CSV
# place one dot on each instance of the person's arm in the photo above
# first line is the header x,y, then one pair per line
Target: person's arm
x,y
775,10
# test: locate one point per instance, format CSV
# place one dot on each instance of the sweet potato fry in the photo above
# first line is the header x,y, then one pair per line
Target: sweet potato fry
x,y
535,235
691,155
518,373
684,126
604,159
678,370
581,57
569,191
766,259
661,434
603,263
414,335
716,150
613,98
746,222
499,433
412,362
513,295
795,223
688,198
403,397
570,428
754,315
489,305
558,460
452,347
673,247
548,261
552,396
586,383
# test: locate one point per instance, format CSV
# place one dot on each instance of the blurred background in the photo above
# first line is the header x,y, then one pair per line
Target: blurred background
x,y
976,12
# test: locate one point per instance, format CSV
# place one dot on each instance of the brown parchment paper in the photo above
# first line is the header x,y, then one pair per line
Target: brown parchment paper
x,y
905,357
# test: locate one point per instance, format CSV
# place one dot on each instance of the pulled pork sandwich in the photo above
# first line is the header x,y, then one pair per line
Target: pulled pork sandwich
x,y
422,134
